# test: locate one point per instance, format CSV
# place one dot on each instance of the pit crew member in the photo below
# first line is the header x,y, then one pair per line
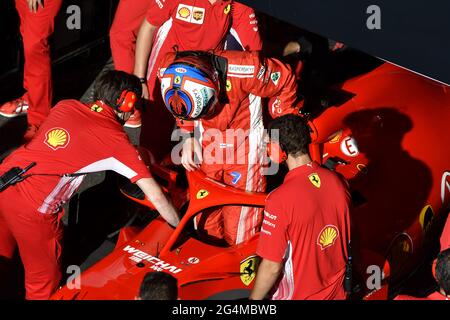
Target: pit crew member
x,y
158,285
221,93
306,229
122,35
36,25
442,276
75,139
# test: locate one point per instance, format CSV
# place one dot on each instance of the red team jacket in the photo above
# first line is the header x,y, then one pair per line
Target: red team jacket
x,y
75,138
198,25
307,227
184,18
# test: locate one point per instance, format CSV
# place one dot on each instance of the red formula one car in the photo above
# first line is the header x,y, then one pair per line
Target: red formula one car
x,y
203,270
388,138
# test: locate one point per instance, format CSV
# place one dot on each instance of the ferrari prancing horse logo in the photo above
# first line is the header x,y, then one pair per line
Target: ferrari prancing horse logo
x,y
228,85
248,269
227,9
96,108
315,179
201,194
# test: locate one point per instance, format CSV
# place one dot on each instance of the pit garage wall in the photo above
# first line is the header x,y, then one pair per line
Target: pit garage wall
x,y
412,34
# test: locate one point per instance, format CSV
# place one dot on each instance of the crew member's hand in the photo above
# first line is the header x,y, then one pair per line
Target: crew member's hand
x,y
145,91
162,203
34,5
291,47
191,149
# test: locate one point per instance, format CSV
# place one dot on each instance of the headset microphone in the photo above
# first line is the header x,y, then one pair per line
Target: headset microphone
x,y
126,101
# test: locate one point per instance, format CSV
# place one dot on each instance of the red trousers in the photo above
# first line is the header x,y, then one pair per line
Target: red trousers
x,y
38,238
127,20
240,165
37,80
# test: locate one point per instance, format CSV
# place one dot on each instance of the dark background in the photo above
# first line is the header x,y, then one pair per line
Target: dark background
x,y
77,55
414,34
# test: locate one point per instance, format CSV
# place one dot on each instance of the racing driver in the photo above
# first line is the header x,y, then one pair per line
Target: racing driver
x,y
218,97
187,25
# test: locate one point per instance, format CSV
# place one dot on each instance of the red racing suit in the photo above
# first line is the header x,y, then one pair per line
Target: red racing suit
x,y
232,140
189,25
123,33
73,139
35,29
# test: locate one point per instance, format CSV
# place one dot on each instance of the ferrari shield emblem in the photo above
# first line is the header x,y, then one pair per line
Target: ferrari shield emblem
x,y
227,9
177,80
426,218
96,108
315,179
248,269
228,85
201,194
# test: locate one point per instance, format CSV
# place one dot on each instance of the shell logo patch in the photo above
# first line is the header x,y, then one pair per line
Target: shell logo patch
x,y
201,194
190,14
314,179
96,108
228,85
227,9
248,269
184,12
327,237
57,138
